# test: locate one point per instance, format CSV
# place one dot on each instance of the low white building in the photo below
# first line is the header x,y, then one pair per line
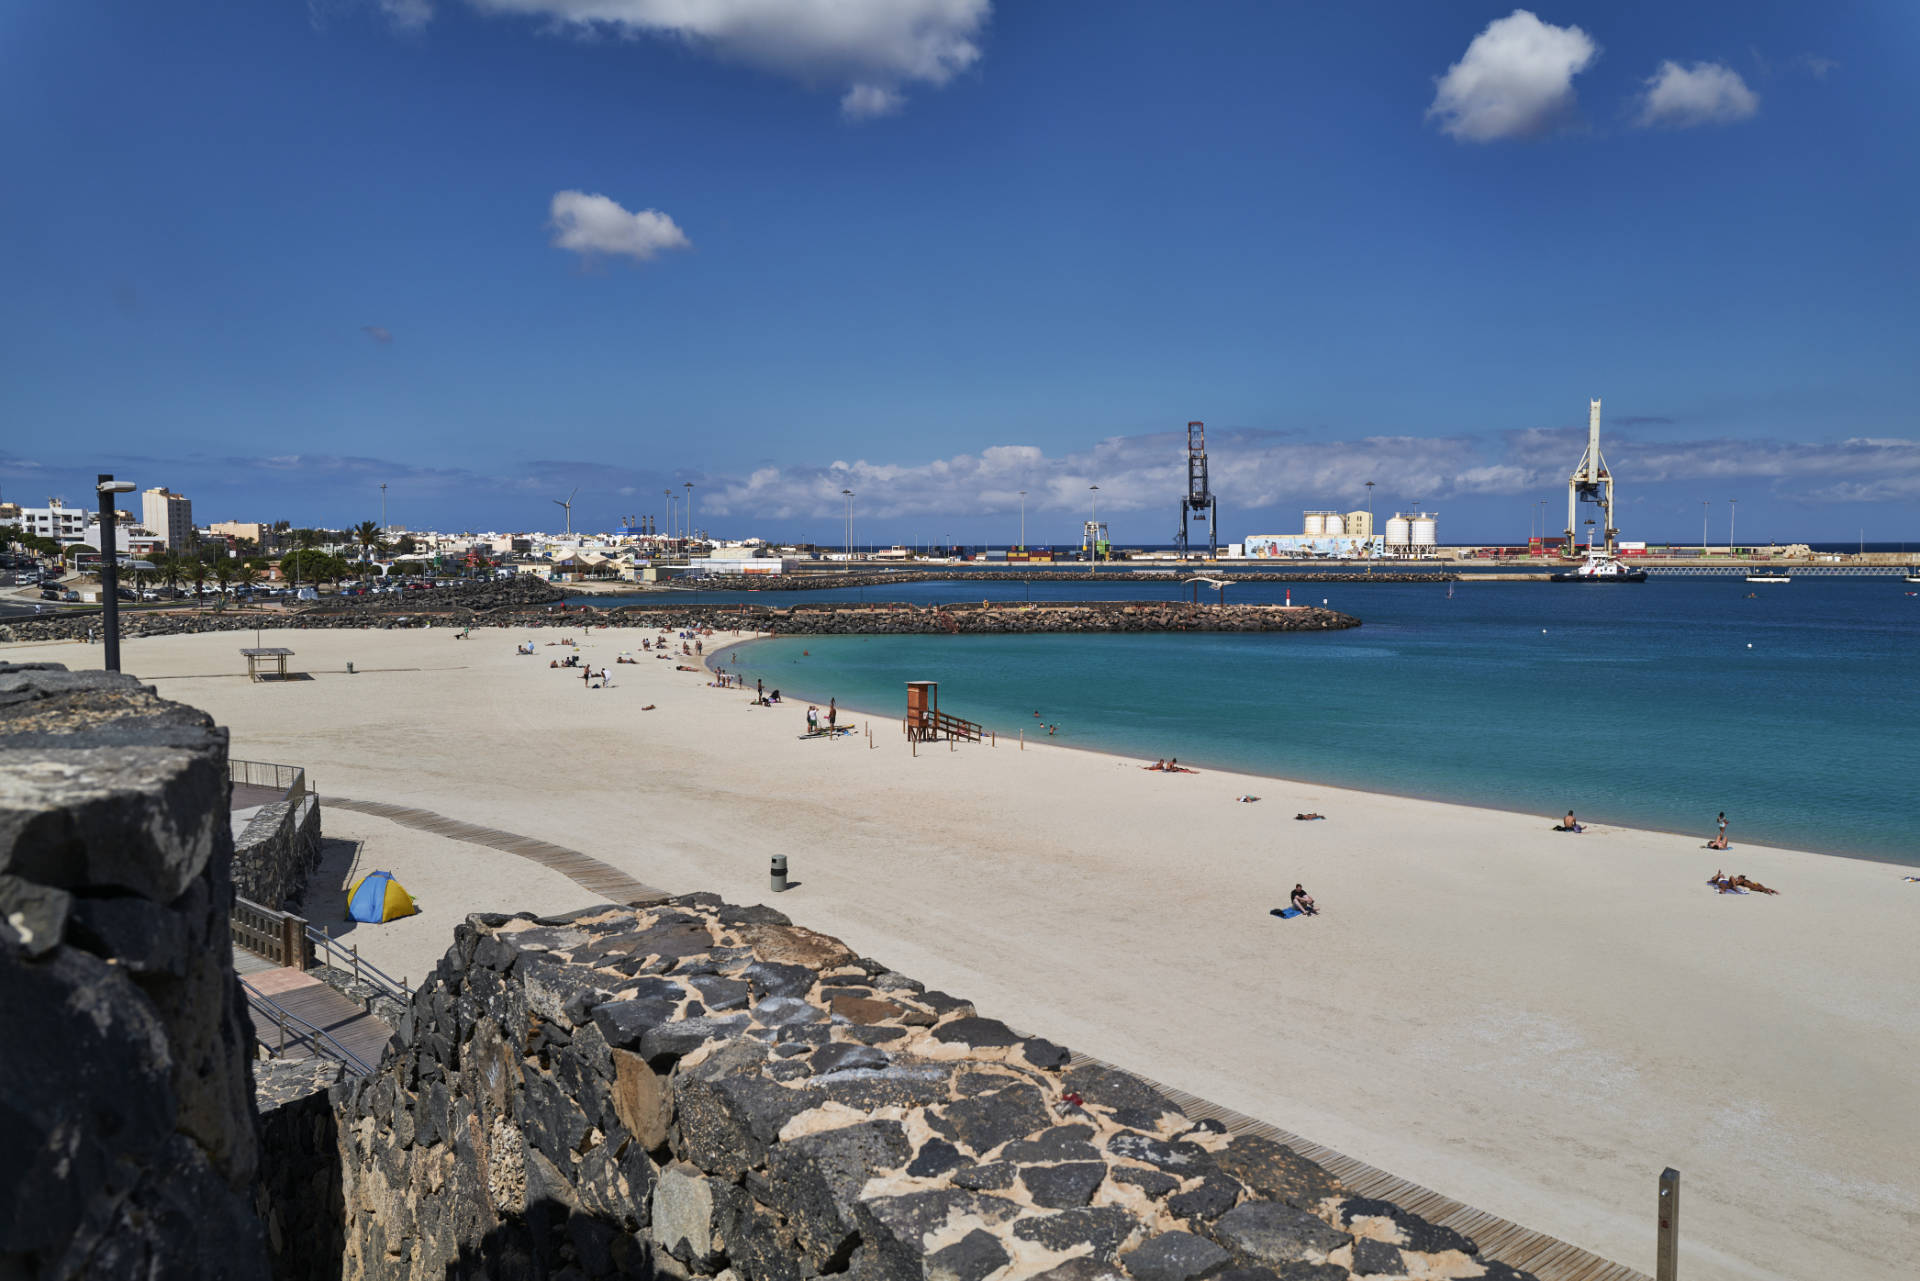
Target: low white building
x,y
755,565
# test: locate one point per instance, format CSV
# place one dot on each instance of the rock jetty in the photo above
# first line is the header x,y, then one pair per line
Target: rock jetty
x,y
891,619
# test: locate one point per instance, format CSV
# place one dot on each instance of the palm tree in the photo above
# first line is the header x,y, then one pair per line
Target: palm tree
x,y
245,577
367,534
199,576
170,570
223,574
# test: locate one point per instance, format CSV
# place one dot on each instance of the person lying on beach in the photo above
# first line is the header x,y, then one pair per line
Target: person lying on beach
x,y
1718,843
1157,765
1308,818
1741,882
647,708
1246,800
1304,901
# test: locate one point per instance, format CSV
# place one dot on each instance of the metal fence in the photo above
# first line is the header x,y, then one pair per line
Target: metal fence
x,y
290,779
347,959
296,1031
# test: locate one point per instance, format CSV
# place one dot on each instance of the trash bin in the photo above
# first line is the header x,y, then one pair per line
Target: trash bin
x,y
779,876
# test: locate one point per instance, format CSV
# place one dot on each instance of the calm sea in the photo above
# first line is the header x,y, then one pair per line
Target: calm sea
x,y
1794,707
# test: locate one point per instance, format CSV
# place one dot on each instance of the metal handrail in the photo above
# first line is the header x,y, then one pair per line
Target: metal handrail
x,y
283,1016
382,982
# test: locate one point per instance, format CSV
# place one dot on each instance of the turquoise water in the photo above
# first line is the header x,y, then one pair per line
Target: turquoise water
x,y
1653,705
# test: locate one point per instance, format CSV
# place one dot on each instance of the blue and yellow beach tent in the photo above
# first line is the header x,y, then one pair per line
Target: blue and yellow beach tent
x,y
378,897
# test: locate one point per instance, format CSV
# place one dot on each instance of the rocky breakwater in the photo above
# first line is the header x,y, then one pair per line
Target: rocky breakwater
x,y
701,1090
126,1109
1051,616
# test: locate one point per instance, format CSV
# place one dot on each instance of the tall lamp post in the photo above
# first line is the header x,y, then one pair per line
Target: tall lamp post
x,y
1093,534
1705,505
1730,513
1023,520
110,565
846,545
669,494
689,509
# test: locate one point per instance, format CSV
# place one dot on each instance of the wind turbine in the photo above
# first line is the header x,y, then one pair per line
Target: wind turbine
x,y
567,503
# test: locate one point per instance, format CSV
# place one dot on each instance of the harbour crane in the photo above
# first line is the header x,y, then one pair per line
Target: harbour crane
x,y
1199,502
1591,482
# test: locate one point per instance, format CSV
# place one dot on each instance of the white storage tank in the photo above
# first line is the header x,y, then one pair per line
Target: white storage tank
x,y
1332,525
1399,530
1360,524
1422,530
1314,525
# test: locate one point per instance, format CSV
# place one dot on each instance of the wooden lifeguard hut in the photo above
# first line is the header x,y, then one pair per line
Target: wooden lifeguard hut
x,y
926,722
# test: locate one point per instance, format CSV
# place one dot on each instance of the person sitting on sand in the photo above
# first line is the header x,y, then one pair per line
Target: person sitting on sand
x,y
774,697
1307,818
1568,824
1304,901
553,662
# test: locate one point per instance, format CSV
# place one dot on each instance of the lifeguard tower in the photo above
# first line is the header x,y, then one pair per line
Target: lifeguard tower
x,y
926,723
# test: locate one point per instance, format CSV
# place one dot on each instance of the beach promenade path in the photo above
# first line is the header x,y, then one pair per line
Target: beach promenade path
x,y
362,1034
1546,1257
589,873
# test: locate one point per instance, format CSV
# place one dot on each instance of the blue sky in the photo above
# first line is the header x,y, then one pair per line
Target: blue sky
x,y
937,252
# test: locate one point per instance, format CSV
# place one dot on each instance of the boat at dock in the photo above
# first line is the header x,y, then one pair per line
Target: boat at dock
x,y
1602,569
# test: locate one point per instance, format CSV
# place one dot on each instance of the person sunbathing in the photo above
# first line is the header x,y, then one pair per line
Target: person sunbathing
x,y
1741,882
1157,765
1307,818
1246,800
1568,824
1718,843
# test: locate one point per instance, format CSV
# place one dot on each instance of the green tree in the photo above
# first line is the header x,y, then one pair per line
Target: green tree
x,y
223,573
170,571
367,534
197,572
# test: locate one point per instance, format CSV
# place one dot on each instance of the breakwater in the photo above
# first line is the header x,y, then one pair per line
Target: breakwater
x,y
807,582
798,620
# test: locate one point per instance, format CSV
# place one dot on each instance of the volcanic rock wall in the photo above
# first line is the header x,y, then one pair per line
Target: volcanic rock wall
x,y
279,848
128,1143
699,1090
798,620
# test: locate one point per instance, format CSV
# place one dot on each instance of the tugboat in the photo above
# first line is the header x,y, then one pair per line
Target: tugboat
x,y
1599,568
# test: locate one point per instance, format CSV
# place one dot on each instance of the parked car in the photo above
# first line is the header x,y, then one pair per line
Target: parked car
x,y
49,593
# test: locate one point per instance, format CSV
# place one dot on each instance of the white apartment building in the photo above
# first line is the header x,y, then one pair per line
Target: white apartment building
x,y
63,524
169,516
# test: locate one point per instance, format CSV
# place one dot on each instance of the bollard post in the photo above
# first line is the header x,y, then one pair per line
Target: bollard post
x,y
1666,1263
356,962
779,873
281,1016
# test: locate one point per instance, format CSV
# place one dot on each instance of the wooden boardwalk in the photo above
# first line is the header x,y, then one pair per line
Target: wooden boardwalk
x,y
362,1034
589,873
1498,1238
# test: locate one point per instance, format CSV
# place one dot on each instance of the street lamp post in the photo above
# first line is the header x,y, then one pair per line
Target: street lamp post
x,y
1023,520
1093,534
1705,505
110,566
689,509
1730,514
669,494
846,545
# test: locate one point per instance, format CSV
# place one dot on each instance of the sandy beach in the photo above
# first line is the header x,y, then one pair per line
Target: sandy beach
x,y
1531,1022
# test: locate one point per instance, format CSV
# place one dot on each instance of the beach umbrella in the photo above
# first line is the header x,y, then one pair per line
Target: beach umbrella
x,y
377,897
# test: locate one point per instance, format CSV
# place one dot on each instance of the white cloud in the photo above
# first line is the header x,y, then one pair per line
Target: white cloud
x,y
379,333
1708,93
596,225
408,15
1514,81
864,102
1817,66
871,46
